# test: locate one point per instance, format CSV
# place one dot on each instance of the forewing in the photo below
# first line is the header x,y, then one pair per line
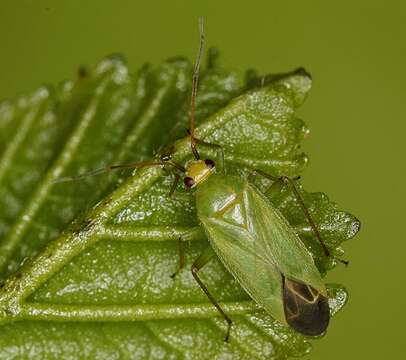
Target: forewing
x,y
278,242
237,250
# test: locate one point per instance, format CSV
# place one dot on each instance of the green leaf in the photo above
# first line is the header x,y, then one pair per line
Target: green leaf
x,y
101,287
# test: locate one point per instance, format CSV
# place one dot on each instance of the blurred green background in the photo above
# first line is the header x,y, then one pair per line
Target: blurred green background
x,y
356,111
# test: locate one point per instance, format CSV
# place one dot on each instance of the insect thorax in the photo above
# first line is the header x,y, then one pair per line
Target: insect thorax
x,y
219,194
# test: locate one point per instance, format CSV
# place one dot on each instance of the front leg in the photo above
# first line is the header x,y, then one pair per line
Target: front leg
x,y
193,234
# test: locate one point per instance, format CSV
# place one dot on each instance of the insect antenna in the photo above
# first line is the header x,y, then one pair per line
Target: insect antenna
x,y
195,82
106,169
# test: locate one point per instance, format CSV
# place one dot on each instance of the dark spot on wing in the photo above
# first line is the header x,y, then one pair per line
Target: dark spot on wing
x,y
306,310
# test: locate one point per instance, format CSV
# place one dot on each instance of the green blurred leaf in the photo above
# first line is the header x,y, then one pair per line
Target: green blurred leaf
x,y
102,288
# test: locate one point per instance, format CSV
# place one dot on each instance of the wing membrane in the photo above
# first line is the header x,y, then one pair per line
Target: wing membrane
x,y
306,310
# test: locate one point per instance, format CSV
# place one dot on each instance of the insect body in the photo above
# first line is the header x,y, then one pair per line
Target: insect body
x,y
253,240
261,250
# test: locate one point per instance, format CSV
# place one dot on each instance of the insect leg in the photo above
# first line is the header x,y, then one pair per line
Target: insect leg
x,y
290,183
200,262
193,234
270,176
174,185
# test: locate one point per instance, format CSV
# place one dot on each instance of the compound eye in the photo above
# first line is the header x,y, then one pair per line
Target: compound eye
x,y
189,182
209,163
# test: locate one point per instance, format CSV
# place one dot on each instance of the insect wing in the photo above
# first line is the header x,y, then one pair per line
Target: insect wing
x,y
278,240
259,247
236,249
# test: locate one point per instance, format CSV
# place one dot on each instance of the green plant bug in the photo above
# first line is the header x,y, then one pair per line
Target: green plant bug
x,y
252,239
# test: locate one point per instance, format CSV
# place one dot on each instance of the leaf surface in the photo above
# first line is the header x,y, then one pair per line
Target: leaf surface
x,y
100,287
